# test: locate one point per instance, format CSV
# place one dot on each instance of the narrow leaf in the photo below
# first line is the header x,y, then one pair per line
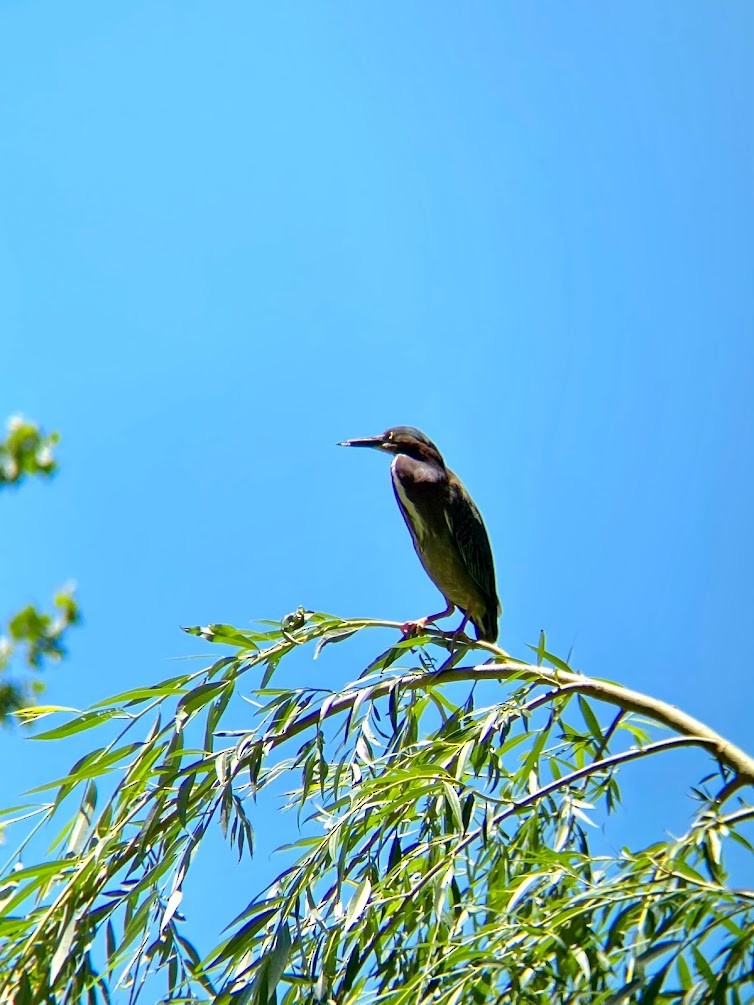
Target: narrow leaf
x,y
357,904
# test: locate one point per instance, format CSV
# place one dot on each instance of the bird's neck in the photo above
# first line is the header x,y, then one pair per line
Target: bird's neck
x,y
412,471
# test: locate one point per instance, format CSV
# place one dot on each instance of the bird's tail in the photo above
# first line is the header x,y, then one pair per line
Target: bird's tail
x,y
486,626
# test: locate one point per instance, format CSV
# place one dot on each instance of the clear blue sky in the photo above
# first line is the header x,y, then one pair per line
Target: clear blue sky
x,y
232,234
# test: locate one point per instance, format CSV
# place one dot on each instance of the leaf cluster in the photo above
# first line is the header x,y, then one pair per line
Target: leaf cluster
x,y
35,635
444,844
25,452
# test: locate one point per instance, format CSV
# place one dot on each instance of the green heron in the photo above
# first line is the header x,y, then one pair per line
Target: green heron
x,y
446,527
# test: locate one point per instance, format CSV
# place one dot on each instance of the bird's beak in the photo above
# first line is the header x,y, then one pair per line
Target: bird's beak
x,y
367,441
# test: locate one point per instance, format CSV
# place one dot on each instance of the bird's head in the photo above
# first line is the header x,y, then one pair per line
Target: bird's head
x,y
401,440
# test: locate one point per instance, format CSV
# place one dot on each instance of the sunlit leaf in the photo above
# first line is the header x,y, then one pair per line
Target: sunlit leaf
x,y
87,720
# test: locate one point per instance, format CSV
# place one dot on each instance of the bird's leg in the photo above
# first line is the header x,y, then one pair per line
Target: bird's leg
x,y
416,627
459,645
458,633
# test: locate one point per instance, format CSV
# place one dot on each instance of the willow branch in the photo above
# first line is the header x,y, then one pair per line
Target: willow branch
x,y
661,712
507,668
607,762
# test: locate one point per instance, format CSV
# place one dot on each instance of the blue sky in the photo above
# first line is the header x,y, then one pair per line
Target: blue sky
x,y
234,234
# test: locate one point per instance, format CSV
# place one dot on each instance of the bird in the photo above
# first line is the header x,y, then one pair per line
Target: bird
x,y
446,528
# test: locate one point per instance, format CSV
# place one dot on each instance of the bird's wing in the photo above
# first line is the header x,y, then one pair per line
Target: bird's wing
x,y
467,527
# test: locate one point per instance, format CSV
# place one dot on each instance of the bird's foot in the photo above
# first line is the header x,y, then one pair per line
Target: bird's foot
x,y
410,628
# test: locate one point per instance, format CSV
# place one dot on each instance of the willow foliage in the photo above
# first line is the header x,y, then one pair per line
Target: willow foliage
x,y
30,638
440,845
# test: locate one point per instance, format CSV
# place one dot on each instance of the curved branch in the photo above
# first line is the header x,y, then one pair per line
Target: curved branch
x,y
607,762
659,711
725,752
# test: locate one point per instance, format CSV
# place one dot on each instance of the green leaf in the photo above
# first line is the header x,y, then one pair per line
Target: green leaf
x,y
34,712
166,689
358,902
652,988
352,969
520,891
270,665
91,765
591,720
83,820
684,974
541,648
183,796
543,656
110,943
243,938
455,804
87,720
395,854
703,967
626,994
332,637
170,908
62,947
198,698
277,961
224,635
656,951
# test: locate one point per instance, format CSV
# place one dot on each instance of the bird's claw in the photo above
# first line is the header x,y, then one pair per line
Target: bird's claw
x,y
410,628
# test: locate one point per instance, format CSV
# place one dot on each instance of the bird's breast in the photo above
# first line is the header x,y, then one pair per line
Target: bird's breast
x,y
420,491
417,525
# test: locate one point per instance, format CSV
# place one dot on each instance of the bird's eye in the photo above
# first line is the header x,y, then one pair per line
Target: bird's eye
x,y
390,435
